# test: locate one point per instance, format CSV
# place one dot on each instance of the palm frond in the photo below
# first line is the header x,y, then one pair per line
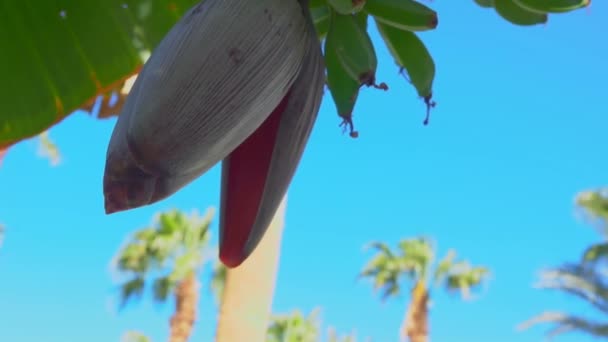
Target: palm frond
x,y
596,252
162,288
594,206
218,281
131,290
580,280
134,336
294,327
463,277
563,323
173,246
381,247
443,267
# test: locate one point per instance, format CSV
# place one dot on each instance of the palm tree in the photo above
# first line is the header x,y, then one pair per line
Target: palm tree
x,y
332,336
585,280
135,336
172,251
594,205
294,327
245,309
218,281
413,261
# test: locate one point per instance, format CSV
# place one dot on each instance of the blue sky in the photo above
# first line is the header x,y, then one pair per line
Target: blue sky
x,y
517,132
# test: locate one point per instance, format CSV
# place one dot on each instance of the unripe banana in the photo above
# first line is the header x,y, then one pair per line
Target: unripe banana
x,y
552,6
485,3
347,6
256,175
517,15
353,47
320,17
210,83
410,53
404,14
343,88
316,3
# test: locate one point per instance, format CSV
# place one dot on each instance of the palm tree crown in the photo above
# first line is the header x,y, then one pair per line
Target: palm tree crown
x,y
414,261
170,250
585,279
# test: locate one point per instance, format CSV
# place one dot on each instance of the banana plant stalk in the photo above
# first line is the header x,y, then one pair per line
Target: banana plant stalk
x,y
236,81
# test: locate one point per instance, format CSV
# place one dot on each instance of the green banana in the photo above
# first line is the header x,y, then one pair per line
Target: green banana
x,y
353,47
410,53
343,88
320,17
404,14
552,6
347,6
316,3
517,15
485,3
361,19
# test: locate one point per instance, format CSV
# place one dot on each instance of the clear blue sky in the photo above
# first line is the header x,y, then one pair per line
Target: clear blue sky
x,y
519,129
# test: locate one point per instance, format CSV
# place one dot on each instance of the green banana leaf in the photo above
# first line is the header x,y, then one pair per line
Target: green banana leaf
x,y
58,56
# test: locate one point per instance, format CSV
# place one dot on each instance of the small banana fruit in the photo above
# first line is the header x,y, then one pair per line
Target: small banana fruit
x,y
353,47
224,73
316,3
320,17
347,6
407,15
410,53
343,88
485,3
552,6
517,15
256,175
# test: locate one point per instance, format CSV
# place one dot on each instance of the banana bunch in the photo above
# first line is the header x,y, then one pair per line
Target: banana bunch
x,y
531,12
236,81
350,56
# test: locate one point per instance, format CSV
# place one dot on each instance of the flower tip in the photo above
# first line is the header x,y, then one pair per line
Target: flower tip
x,y
133,190
116,197
231,260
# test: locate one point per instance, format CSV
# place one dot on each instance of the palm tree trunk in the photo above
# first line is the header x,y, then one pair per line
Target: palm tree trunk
x,y
186,301
249,289
416,322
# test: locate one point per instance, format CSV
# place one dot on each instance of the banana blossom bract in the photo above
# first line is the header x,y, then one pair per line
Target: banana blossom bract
x,y
237,81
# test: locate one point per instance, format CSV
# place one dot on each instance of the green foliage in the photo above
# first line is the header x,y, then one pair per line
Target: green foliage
x,y
586,280
134,336
61,56
58,56
168,251
48,149
414,261
218,281
294,327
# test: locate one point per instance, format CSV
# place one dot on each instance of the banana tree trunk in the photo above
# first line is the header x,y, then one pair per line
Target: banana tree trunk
x,y
183,319
249,289
415,326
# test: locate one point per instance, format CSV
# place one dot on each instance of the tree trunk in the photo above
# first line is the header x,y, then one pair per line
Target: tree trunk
x,y
415,326
186,301
249,289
